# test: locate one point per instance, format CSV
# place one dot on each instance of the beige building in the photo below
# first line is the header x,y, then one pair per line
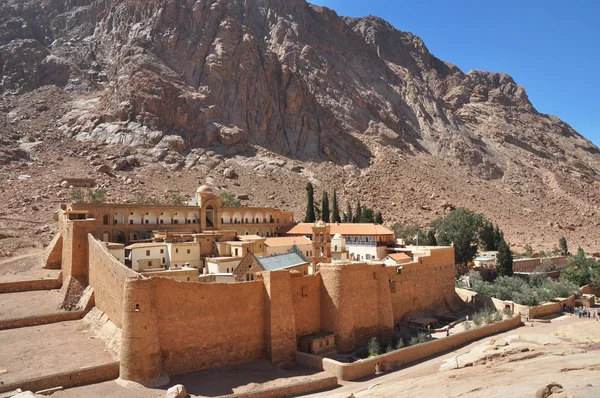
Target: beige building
x,y
283,244
148,256
338,248
221,265
364,242
184,254
396,259
117,250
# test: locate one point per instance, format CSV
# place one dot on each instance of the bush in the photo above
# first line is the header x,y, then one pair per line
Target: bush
x,y
400,344
507,313
373,347
76,195
468,325
418,339
389,348
98,196
488,317
498,316
477,319
228,200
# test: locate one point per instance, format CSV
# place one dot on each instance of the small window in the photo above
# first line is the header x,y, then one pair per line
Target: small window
x,y
176,250
147,252
163,260
130,221
188,251
162,251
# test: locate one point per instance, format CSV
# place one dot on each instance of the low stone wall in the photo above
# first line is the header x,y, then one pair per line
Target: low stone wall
x,y
83,376
45,319
396,359
30,285
291,390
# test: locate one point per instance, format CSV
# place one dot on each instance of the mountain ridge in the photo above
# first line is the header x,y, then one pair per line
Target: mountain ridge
x,y
294,89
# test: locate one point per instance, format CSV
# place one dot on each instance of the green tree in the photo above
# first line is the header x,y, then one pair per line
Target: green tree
x,y
310,205
347,216
408,233
325,207
357,212
378,218
564,249
486,236
431,240
77,195
176,199
504,260
374,347
498,236
228,200
367,216
98,196
335,211
461,228
581,270
528,251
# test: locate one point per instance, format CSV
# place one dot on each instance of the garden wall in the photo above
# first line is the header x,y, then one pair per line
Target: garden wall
x,y
29,285
291,390
398,358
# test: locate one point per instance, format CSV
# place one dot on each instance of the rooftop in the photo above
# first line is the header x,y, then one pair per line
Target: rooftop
x,y
250,237
148,244
287,241
343,229
399,257
281,261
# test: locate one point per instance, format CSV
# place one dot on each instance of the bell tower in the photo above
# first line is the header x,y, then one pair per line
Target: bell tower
x,y
321,241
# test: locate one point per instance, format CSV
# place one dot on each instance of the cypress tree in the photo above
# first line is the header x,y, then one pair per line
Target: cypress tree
x,y
325,207
498,237
310,206
431,240
504,260
487,236
564,249
379,218
335,211
357,213
348,213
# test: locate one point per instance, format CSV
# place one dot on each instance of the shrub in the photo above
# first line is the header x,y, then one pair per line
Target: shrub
x,y
418,339
98,196
389,348
498,316
228,200
400,344
468,325
76,195
488,316
507,313
373,347
477,319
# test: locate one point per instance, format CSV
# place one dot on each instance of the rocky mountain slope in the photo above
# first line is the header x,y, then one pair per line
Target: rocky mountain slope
x,y
279,92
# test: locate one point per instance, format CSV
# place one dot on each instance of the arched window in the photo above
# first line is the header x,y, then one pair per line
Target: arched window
x,y
105,220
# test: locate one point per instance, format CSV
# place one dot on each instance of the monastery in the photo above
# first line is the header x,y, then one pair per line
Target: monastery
x,y
199,286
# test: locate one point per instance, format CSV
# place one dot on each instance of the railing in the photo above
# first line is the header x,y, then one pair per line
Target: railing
x,y
360,243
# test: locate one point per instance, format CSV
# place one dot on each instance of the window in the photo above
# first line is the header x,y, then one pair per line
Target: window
x,y
105,219
147,221
148,253
236,252
162,251
163,260
188,251
176,250
161,221
335,248
130,221
175,221
368,256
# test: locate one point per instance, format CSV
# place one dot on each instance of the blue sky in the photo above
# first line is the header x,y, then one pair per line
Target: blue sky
x,y
551,47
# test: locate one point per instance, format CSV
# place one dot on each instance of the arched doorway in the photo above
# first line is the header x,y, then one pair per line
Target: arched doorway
x,y
210,217
120,237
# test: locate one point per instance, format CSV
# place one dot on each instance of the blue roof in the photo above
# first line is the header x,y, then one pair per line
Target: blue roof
x,y
281,261
484,258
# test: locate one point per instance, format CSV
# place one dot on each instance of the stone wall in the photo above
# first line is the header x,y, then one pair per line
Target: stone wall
x,y
83,376
206,325
424,284
396,359
30,285
35,320
107,276
355,303
306,295
291,390
52,257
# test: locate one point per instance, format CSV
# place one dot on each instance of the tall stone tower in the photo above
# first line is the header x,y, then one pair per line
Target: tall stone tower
x,y
321,241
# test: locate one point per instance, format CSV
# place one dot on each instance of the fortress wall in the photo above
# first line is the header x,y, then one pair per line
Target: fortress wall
x,y
355,303
306,295
423,285
107,276
75,248
207,325
280,326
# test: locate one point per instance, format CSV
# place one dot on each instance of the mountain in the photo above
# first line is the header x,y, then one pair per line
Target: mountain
x,y
281,92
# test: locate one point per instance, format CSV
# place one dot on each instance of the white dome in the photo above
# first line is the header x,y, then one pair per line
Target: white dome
x,y
205,189
338,236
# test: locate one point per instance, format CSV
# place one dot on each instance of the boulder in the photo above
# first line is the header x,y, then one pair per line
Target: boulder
x,y
121,164
242,197
230,135
64,184
177,391
104,168
548,390
229,173
131,160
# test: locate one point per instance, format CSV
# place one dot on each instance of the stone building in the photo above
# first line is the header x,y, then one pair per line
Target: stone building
x,y
128,223
250,265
